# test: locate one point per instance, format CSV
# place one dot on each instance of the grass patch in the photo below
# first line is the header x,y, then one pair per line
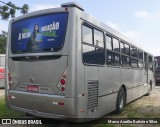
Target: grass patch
x,y
135,111
132,111
8,113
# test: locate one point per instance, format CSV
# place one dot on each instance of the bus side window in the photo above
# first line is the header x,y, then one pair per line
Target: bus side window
x,y
89,51
125,55
98,38
109,57
122,47
116,59
134,52
134,59
93,51
150,60
113,51
150,63
87,35
140,62
109,50
89,54
140,54
116,52
127,49
134,63
116,45
126,62
108,43
145,61
99,43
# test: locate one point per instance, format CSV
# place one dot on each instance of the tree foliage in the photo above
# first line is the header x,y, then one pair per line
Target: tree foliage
x,y
9,9
3,41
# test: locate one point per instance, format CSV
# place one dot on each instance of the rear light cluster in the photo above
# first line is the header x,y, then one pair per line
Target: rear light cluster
x,y
60,103
10,80
62,83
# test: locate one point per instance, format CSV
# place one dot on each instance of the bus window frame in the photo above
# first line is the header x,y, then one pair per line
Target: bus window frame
x,y
92,45
112,51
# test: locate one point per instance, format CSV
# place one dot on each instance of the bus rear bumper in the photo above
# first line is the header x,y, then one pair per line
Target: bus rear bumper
x,y
41,114
42,105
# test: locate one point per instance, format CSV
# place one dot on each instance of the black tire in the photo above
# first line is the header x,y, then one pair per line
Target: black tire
x,y
121,101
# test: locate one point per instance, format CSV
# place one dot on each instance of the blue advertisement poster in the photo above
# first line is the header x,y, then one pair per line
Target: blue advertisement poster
x,y
44,33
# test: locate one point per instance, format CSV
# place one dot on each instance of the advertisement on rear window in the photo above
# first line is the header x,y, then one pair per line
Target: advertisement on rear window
x,y
39,34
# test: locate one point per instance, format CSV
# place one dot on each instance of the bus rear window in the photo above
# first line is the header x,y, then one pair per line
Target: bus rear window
x,y
45,33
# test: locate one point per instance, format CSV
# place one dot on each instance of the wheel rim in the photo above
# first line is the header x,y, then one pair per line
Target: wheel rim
x,y
121,103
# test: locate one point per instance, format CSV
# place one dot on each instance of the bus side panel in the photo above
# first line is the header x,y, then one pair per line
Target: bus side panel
x,y
129,95
107,104
135,89
109,84
142,87
81,87
126,79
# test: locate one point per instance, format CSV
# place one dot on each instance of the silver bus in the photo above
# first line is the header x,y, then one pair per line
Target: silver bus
x,y
2,70
63,63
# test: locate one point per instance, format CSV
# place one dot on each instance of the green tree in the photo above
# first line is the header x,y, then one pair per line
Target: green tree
x,y
3,40
9,9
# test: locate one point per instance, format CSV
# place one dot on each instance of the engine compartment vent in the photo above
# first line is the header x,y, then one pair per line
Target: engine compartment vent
x,y
92,95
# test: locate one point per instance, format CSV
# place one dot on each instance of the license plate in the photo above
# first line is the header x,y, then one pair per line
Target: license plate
x,y
33,88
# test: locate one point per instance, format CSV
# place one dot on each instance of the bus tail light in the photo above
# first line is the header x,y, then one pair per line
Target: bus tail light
x,y
62,83
60,103
11,97
10,80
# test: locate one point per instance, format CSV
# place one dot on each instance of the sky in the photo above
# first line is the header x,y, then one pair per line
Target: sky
x,y
139,20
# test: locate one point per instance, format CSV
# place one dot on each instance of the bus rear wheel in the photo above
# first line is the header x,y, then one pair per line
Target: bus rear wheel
x,y
121,99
